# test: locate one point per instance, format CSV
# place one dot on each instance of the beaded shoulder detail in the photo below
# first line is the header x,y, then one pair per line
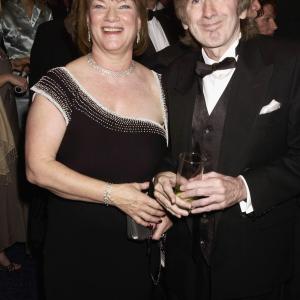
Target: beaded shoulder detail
x,y
61,88
55,87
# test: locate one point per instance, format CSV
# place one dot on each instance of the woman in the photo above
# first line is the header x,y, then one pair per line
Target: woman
x,y
95,137
18,24
12,212
54,46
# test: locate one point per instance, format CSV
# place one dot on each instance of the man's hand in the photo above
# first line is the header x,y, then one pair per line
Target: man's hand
x,y
218,192
164,194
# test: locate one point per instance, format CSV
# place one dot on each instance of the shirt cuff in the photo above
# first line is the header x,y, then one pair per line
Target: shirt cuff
x,y
246,205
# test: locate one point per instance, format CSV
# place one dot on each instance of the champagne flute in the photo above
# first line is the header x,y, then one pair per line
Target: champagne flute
x,y
190,165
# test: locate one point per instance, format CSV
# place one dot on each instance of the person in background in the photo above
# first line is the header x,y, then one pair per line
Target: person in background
x,y
55,44
12,210
266,23
96,134
60,8
164,30
237,102
18,24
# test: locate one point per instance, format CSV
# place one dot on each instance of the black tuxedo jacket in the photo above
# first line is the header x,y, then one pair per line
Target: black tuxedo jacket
x,y
252,253
53,47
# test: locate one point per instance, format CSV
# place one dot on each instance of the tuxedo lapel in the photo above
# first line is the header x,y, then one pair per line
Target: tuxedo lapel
x,y
249,91
184,89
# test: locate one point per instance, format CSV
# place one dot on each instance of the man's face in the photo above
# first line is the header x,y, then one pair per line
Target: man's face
x,y
215,24
266,23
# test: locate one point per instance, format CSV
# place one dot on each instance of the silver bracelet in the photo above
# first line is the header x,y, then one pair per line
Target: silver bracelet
x,y
107,194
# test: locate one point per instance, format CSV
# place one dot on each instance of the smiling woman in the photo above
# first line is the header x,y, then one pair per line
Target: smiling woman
x,y
84,43
96,134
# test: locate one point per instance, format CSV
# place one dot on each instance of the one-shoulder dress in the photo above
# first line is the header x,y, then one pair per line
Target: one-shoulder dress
x,y
87,252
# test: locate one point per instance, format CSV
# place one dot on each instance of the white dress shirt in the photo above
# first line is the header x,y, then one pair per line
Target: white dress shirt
x,y
214,85
159,6
157,34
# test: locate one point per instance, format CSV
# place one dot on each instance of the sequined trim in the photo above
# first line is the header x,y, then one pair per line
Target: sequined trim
x,y
163,104
86,94
62,89
54,88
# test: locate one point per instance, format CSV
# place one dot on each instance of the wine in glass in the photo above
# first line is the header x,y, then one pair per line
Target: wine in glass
x,y
190,165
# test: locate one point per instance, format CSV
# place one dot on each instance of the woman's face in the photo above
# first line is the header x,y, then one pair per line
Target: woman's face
x,y
113,25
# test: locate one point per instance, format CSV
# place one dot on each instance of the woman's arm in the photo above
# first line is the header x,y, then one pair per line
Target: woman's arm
x,y
45,130
44,133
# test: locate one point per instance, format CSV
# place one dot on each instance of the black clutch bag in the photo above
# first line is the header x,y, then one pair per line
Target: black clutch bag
x,y
136,231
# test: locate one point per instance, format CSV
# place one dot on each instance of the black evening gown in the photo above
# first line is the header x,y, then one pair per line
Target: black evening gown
x,y
87,253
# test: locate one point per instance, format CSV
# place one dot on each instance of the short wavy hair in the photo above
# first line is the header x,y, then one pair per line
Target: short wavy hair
x,y
77,18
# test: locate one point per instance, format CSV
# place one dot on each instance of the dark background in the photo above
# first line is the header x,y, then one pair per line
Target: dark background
x,y
288,19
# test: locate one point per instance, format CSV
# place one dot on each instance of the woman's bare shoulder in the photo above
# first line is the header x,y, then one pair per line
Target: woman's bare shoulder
x,y
147,75
77,64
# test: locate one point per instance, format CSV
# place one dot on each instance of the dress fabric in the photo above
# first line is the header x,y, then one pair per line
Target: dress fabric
x,y
13,211
87,253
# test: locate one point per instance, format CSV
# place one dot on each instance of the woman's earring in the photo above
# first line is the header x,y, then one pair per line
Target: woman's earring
x,y
138,38
89,36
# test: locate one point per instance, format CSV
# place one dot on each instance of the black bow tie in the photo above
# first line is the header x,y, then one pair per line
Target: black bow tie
x,y
203,69
151,14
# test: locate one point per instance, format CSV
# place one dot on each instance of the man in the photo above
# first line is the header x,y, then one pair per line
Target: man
x,y
163,28
243,116
162,59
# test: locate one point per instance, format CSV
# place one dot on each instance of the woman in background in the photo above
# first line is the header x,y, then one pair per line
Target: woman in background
x,y
18,24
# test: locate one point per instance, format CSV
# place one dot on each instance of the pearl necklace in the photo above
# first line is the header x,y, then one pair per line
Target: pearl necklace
x,y
107,72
